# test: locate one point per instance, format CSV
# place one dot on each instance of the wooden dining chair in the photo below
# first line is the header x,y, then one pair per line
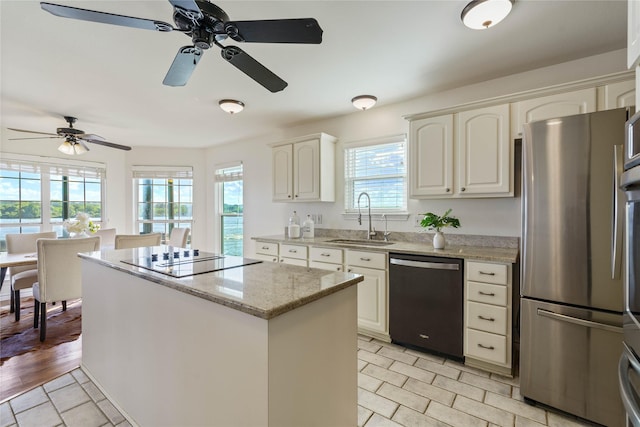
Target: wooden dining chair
x,y
178,237
127,241
23,277
59,274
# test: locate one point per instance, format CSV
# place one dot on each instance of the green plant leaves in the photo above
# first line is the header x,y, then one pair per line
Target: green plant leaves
x,y
436,222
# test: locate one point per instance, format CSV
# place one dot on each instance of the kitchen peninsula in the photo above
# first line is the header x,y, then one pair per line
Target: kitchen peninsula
x,y
255,345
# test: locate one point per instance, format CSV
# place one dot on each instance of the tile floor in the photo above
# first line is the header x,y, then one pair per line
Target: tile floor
x,y
396,387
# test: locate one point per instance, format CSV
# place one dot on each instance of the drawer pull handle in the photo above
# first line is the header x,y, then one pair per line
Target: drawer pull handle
x,y
265,247
365,259
490,319
325,254
293,251
487,274
423,336
486,347
489,294
338,268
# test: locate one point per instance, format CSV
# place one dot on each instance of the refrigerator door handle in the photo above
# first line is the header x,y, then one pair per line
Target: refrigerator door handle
x,y
578,321
628,361
618,212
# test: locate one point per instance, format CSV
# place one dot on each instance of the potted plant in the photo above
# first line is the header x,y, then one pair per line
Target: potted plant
x,y
437,223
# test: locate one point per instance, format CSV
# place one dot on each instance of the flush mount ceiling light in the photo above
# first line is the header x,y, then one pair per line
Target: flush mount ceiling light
x,y
231,106
483,14
73,147
364,102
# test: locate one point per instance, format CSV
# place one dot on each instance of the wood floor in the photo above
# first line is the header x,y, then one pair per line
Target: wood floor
x,y
26,371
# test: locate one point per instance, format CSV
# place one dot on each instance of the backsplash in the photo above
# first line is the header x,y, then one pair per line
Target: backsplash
x,y
452,239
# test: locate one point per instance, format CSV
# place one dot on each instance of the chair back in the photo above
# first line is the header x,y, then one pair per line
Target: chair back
x,y
107,237
59,268
128,241
25,243
178,238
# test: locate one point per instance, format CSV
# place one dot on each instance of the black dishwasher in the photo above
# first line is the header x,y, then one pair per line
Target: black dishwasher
x,y
425,302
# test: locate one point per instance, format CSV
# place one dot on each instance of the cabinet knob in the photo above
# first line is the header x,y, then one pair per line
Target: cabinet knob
x,y
349,270
447,190
463,189
288,196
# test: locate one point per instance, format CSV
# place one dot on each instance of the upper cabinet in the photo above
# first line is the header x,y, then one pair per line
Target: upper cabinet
x,y
472,159
617,95
431,157
633,33
552,106
304,169
484,150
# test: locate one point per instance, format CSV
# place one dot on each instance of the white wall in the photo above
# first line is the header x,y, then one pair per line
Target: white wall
x,y
263,217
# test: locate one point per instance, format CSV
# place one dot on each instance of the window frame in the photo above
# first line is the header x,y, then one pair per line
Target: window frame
x,y
222,177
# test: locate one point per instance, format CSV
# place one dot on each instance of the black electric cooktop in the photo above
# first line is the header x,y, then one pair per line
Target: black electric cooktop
x,y
183,262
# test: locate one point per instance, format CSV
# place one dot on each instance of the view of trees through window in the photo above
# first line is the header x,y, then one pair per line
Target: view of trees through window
x,y
164,204
231,215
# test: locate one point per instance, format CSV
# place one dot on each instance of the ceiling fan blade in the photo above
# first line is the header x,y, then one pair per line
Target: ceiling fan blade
x,y
105,18
35,137
90,136
252,68
105,143
189,6
182,66
303,30
33,131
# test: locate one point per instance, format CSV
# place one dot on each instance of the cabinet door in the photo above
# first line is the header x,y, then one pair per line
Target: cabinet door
x,y
620,95
431,157
484,152
372,299
282,165
549,107
306,170
633,33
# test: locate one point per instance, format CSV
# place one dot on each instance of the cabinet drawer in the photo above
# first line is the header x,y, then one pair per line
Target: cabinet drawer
x,y
484,292
294,261
293,251
331,255
486,272
483,345
325,266
267,258
267,248
367,259
485,317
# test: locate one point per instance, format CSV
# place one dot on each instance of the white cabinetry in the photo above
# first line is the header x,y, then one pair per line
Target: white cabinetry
x,y
293,254
484,152
304,169
488,320
475,161
633,33
325,258
372,291
552,106
266,251
618,95
431,157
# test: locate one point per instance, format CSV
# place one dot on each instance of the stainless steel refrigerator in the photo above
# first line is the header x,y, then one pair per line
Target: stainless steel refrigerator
x,y
571,285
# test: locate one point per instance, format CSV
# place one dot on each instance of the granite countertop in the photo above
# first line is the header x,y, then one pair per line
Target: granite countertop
x,y
264,290
472,252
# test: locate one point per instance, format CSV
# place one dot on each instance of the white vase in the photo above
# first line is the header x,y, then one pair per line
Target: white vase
x,y
438,240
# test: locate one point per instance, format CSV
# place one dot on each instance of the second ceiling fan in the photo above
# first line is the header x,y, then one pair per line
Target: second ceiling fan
x,y
208,25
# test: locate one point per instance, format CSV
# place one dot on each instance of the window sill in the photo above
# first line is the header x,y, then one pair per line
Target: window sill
x,y
377,216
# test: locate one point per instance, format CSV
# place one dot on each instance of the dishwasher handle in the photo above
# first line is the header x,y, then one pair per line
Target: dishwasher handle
x,y
424,264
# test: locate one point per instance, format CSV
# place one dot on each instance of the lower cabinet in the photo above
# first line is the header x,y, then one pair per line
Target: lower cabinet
x,y
293,254
373,295
266,251
488,319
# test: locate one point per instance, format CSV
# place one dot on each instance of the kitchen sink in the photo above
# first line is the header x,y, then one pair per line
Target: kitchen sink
x,y
360,242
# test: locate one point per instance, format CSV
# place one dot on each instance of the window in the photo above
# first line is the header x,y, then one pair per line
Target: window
x,y
377,167
229,181
38,194
164,198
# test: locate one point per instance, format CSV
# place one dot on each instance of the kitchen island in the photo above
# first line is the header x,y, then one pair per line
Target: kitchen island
x,y
255,345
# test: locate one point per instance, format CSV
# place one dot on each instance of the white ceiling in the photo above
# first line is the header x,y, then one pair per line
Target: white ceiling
x,y
110,77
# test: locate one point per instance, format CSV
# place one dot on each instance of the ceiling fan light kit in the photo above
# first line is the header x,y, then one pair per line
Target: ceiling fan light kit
x,y
231,106
364,102
483,14
208,25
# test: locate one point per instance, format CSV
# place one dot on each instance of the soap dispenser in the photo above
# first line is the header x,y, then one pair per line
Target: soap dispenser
x,y
307,228
294,226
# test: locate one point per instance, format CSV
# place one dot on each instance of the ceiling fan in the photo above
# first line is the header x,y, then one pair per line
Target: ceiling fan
x,y
74,139
208,25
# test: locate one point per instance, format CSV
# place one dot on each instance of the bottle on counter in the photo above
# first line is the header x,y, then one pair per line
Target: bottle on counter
x,y
294,226
307,228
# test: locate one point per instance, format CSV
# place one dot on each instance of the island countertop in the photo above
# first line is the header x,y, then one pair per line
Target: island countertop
x,y
264,290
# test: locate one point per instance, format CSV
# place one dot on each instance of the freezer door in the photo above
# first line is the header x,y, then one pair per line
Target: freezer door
x,y
568,214
629,377
570,360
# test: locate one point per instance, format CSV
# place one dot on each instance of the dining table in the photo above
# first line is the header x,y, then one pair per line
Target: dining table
x,y
15,260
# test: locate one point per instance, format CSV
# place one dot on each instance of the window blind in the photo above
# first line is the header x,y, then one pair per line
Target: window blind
x,y
162,172
49,165
229,173
379,169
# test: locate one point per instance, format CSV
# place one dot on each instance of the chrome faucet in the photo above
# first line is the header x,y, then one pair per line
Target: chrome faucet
x,y
372,231
386,233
